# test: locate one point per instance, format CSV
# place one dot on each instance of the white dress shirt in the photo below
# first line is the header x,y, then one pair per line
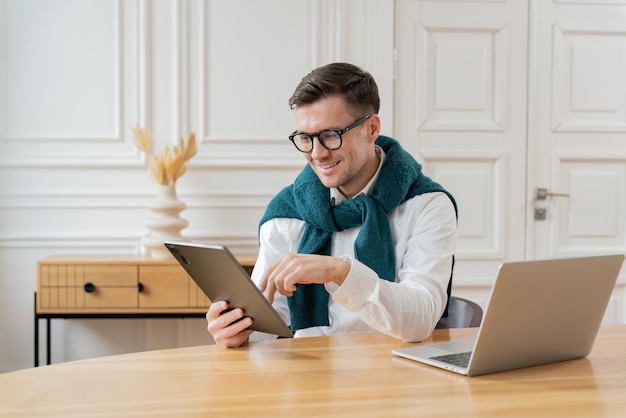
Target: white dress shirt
x,y
424,233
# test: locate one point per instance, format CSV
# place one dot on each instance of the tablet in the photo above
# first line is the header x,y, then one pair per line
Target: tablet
x,y
220,276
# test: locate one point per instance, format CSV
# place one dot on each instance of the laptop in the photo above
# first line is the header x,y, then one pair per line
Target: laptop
x,y
219,275
539,312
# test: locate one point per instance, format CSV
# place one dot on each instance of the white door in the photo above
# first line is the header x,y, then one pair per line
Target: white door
x,y
461,94
577,135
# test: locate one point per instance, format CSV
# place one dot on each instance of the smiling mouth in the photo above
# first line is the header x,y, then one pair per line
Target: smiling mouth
x,y
327,166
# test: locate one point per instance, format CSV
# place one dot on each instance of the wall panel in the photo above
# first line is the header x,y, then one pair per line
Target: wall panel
x,y
69,82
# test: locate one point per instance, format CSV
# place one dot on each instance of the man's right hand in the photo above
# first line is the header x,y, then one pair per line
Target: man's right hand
x,y
228,327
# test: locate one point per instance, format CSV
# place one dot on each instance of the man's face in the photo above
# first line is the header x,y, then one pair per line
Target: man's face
x,y
350,167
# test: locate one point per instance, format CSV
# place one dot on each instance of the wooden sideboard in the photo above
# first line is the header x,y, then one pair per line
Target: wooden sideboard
x,y
116,286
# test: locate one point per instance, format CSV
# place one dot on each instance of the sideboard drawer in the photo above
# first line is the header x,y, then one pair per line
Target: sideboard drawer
x,y
110,286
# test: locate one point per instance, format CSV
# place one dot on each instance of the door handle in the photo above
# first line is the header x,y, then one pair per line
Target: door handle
x,y
543,193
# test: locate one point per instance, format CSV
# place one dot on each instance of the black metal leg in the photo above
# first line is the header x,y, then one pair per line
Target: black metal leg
x,y
36,340
48,341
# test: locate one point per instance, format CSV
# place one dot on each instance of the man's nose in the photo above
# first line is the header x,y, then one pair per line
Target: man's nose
x,y
319,150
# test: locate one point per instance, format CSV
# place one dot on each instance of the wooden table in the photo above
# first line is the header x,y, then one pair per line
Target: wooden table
x,y
351,375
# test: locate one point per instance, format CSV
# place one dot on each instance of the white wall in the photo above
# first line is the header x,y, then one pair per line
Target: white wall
x,y
76,76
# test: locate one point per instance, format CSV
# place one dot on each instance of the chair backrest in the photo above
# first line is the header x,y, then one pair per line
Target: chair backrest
x,y
462,313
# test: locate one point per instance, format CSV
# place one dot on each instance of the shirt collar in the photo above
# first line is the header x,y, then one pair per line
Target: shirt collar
x,y
336,197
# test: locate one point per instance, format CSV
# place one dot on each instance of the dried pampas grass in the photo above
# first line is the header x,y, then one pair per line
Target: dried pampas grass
x,y
167,166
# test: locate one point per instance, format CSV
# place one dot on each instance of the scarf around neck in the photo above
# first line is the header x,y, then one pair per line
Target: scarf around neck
x,y
307,199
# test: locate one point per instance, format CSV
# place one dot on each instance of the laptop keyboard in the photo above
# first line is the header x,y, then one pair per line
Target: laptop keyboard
x,y
456,359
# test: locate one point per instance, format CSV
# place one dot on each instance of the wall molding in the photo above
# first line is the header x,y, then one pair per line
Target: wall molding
x,y
87,199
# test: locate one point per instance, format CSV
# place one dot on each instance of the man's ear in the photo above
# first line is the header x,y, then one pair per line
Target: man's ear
x,y
374,126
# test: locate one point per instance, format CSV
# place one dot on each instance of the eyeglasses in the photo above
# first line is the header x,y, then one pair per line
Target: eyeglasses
x,y
330,139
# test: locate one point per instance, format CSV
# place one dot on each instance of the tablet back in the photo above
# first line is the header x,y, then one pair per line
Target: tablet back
x,y
220,276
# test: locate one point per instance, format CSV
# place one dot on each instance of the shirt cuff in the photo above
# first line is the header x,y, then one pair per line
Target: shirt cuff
x,y
358,286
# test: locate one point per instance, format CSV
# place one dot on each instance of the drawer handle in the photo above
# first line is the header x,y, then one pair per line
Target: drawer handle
x,y
140,287
90,287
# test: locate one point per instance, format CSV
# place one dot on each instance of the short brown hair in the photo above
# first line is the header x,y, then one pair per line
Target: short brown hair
x,y
355,86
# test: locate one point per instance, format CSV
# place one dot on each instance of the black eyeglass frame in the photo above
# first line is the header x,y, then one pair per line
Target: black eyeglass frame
x,y
319,138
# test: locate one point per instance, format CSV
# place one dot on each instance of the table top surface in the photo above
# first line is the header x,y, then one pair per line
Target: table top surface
x,y
349,375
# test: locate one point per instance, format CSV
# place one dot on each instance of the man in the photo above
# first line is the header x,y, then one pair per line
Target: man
x,y
362,241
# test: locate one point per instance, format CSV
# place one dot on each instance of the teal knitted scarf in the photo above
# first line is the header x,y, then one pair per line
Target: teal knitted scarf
x,y
400,179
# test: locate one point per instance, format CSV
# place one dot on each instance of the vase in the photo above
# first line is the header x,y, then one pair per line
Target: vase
x,y
164,222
